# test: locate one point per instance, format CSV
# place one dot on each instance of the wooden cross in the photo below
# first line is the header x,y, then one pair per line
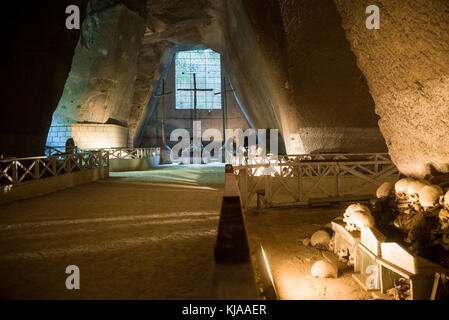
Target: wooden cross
x,y
195,90
162,95
225,108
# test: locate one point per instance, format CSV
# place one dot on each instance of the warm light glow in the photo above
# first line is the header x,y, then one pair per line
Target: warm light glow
x,y
267,265
268,286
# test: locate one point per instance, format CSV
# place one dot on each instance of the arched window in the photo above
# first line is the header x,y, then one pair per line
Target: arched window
x,y
205,64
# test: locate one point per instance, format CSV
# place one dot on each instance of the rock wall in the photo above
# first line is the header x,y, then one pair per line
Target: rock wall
x,y
181,118
254,55
95,136
171,25
406,63
100,85
333,109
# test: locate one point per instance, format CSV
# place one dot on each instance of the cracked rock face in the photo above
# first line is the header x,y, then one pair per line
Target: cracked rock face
x,y
100,85
313,71
406,63
291,69
333,110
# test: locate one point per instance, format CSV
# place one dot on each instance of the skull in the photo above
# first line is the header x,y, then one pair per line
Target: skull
x,y
413,189
324,269
320,239
444,200
357,216
400,188
429,196
385,190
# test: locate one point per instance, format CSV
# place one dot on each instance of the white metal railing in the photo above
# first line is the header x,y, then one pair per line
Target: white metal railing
x,y
15,171
294,179
52,150
132,153
114,153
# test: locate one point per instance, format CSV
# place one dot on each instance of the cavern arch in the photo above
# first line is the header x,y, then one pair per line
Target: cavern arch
x,y
261,60
310,88
340,94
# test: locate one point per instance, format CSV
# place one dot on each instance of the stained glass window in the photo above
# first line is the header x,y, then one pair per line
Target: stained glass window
x,y
205,64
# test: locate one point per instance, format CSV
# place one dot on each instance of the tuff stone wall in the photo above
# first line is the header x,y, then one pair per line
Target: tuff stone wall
x,y
58,135
100,85
94,136
179,118
406,63
333,109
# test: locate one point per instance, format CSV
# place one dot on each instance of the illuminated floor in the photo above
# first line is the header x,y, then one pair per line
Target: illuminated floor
x,y
137,235
279,231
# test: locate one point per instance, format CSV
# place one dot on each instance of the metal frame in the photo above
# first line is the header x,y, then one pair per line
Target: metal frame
x,y
16,171
132,153
302,177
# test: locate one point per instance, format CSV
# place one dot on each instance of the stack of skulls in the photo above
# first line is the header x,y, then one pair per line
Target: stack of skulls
x,y
418,209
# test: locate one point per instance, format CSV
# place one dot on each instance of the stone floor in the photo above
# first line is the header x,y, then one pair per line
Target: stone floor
x,y
151,235
136,235
280,231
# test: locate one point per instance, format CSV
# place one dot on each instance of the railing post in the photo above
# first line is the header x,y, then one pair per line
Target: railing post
x,y
337,180
15,175
36,169
53,165
268,193
300,188
69,163
243,183
298,180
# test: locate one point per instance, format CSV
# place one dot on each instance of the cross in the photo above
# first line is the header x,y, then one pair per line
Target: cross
x,y
195,90
162,95
225,108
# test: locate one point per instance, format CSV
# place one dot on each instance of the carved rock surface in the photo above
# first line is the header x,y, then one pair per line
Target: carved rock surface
x,y
406,63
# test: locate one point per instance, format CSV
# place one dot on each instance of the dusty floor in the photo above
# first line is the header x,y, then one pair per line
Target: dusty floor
x,y
150,235
137,235
280,230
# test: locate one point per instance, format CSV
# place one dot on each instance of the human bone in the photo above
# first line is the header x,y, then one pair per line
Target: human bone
x,y
320,239
429,196
400,290
413,189
385,190
358,216
400,187
324,269
444,200
443,215
332,243
306,242
346,255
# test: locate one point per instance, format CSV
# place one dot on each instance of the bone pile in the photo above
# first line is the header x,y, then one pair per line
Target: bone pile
x,y
400,290
418,209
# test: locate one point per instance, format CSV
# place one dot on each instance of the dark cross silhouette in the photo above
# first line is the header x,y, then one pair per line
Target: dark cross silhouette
x,y
162,95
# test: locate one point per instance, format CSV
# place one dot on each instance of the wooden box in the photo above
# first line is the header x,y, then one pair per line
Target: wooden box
x,y
366,268
344,238
397,263
372,238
